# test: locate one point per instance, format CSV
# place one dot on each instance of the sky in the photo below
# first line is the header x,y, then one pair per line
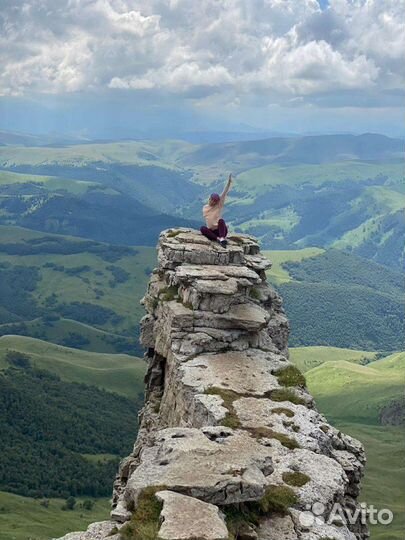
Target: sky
x,y
133,68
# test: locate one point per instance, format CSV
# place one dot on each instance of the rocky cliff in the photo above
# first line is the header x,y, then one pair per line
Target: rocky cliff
x,y
230,444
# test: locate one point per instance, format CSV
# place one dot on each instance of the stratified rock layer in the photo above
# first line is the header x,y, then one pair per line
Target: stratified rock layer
x,y
228,423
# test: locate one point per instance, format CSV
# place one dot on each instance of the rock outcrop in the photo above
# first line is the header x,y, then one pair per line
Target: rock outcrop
x,y
230,443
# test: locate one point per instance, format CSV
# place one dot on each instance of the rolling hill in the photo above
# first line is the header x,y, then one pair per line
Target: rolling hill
x,y
307,358
337,299
118,373
72,291
42,519
356,399
66,417
93,399
341,191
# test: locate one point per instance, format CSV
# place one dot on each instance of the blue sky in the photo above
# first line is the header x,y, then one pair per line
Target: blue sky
x,y
131,68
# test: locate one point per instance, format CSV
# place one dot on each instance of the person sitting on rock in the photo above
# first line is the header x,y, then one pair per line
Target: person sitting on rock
x,y
216,228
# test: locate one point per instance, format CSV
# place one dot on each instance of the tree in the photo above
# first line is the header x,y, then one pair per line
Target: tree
x,y
69,504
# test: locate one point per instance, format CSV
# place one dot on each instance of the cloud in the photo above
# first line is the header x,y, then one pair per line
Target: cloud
x,y
241,50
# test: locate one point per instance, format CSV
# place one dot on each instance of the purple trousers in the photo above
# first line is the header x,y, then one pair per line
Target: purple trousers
x,y
214,234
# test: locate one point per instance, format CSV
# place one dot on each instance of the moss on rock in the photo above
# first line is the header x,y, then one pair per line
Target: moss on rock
x,y
297,479
144,524
290,376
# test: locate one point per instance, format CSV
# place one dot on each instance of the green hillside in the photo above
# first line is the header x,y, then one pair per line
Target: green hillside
x,y
66,417
337,299
383,483
278,272
84,451
71,333
354,392
352,396
48,281
339,191
307,358
23,518
118,373
35,182
259,180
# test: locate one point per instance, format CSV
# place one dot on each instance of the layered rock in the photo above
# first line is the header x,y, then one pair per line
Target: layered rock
x,y
230,441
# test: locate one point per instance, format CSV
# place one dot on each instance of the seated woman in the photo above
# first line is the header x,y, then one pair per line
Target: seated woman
x,y
216,228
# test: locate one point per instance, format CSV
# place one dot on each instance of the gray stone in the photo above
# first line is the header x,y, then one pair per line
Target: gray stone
x,y
96,531
240,372
215,464
187,518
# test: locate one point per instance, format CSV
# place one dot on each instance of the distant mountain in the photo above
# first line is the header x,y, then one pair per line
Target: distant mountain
x,y
11,138
345,191
298,150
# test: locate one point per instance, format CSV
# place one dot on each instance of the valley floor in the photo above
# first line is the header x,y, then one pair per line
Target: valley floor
x,y
23,518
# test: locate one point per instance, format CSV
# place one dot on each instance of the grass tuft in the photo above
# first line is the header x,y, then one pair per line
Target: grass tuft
x,y
278,499
290,376
144,523
297,479
238,517
286,441
285,394
255,293
172,234
283,410
231,420
168,294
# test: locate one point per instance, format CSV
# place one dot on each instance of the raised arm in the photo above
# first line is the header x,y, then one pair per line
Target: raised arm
x,y
226,189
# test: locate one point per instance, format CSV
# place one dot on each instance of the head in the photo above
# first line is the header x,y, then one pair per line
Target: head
x,y
214,199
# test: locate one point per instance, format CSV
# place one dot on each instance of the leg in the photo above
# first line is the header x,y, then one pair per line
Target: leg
x,y
222,229
208,233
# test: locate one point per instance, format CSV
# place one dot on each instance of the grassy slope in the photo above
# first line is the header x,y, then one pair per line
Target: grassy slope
x,y
132,152
383,483
277,274
118,373
23,518
350,396
306,358
123,298
333,298
353,392
61,328
51,183
258,179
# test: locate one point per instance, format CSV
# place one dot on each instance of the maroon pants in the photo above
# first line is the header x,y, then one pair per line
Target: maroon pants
x,y
214,234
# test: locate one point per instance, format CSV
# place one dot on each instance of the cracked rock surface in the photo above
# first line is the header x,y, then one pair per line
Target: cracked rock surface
x,y
228,427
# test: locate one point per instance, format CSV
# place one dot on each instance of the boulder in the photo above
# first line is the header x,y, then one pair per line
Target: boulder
x,y
187,518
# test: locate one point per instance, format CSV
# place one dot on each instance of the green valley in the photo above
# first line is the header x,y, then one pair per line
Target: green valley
x,y
118,373
355,398
72,291
41,519
339,299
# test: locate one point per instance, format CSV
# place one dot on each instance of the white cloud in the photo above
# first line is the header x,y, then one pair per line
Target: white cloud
x,y
270,49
